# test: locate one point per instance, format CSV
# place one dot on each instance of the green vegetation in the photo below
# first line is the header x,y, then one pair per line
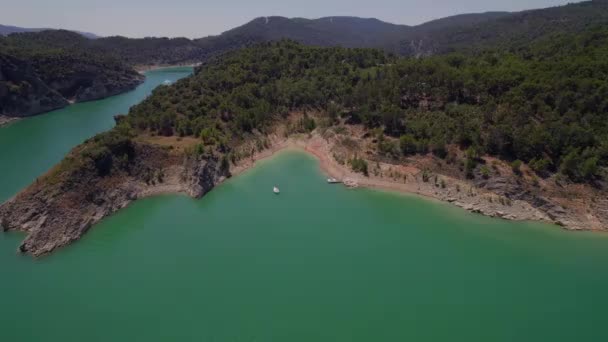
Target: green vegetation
x,y
39,71
359,165
408,144
544,106
485,172
57,55
536,107
516,166
513,31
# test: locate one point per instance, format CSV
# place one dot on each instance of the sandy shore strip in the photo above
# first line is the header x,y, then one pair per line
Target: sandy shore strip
x,y
5,120
401,178
410,181
404,178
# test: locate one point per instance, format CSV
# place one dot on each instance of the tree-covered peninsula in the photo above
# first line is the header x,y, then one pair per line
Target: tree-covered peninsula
x,y
516,133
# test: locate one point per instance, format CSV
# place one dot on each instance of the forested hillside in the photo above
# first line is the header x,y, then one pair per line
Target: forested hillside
x,y
330,31
545,106
463,33
507,31
42,71
83,69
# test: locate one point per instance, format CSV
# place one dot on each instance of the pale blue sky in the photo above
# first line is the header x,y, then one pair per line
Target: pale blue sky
x,y
198,18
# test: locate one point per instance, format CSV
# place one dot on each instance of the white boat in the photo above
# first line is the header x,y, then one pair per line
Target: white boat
x,y
276,190
332,181
167,82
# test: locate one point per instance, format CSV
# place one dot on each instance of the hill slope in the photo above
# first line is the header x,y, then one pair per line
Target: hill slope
x,y
37,75
105,57
516,135
466,32
5,30
505,30
330,31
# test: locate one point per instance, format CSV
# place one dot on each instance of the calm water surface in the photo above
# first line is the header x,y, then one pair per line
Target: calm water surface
x,y
316,263
30,147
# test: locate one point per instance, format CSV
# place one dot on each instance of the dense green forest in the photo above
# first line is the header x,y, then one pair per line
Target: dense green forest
x,y
545,105
527,87
55,53
462,33
40,71
510,31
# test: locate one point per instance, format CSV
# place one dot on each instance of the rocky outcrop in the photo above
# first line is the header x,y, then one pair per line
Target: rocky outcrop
x,y
100,89
94,84
29,87
201,174
61,207
574,207
22,92
502,194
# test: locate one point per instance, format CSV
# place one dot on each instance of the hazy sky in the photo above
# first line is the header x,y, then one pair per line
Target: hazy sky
x,y
198,18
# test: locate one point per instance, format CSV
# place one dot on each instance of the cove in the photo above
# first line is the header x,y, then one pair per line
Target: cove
x,y
31,146
315,263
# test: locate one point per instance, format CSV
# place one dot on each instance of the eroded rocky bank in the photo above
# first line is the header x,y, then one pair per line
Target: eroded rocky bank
x,y
502,194
61,206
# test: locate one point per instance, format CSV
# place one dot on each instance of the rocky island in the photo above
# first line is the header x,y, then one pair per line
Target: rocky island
x,y
497,133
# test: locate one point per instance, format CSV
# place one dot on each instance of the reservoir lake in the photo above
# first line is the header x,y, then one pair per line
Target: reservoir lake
x,y
318,262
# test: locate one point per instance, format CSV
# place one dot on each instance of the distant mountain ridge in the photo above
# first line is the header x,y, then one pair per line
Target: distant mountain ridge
x,y
351,32
464,32
512,30
326,31
345,31
107,62
5,30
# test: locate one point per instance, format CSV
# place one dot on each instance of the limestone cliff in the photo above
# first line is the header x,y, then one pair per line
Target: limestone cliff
x,y
91,184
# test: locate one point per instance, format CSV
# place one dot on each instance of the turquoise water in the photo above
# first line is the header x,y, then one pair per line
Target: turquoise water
x,y
31,146
316,263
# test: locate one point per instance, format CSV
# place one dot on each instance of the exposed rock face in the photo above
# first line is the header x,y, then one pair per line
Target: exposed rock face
x,y
22,93
569,211
56,213
92,84
202,174
26,91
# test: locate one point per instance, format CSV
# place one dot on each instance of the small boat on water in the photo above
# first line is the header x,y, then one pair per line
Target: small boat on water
x,y
276,190
167,82
332,181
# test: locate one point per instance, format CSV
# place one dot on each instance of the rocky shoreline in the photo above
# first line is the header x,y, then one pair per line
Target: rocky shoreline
x,y
25,91
5,120
57,213
54,217
501,197
487,204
